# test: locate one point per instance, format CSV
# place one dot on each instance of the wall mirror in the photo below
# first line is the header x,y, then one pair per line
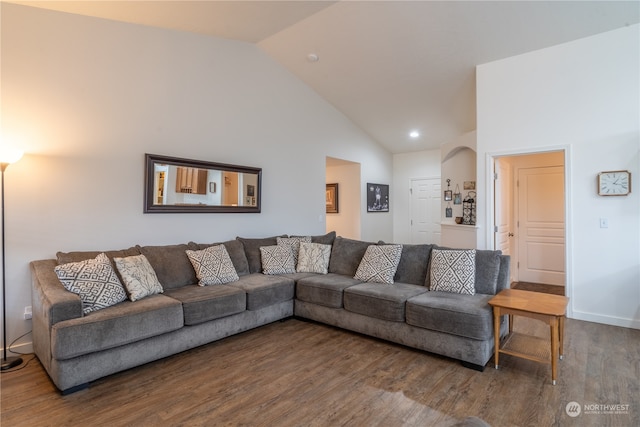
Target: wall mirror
x,y
175,185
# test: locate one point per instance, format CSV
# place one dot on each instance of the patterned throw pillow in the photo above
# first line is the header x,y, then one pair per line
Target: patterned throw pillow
x,y
379,263
453,271
313,258
213,265
277,259
94,280
138,276
294,243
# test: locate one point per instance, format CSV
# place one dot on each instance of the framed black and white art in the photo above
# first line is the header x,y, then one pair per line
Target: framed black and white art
x,y
377,197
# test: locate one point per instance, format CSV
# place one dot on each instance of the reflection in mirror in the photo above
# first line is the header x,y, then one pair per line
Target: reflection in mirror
x,y
182,185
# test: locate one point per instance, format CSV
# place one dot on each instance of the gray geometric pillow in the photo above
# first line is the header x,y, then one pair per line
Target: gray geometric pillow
x,y
453,271
379,264
138,276
313,258
277,259
94,280
213,265
294,243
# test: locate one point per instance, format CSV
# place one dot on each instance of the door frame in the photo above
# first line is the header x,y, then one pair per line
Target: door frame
x,y
568,212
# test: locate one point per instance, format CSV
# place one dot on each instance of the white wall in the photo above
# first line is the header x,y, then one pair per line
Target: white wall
x,y
85,98
346,222
408,166
582,96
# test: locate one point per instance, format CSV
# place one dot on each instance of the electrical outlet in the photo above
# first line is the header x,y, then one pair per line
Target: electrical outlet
x,y
27,312
604,223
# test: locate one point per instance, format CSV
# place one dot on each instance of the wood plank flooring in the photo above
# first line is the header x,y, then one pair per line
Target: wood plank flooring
x,y
298,373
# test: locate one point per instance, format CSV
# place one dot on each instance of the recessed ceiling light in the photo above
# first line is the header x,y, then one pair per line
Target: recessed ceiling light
x,y
312,57
414,134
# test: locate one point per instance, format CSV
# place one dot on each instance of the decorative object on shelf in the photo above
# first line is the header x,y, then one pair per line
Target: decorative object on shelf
x,y
447,193
377,197
458,220
448,211
469,209
6,158
457,196
469,185
332,198
614,183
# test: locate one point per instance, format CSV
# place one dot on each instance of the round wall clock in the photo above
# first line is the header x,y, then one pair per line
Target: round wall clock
x,y
614,183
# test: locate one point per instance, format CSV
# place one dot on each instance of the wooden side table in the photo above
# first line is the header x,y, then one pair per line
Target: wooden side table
x,y
548,308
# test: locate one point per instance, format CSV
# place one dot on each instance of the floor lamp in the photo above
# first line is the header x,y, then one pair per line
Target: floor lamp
x,y
7,362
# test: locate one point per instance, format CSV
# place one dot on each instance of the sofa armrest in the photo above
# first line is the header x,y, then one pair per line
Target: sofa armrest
x,y
504,275
50,300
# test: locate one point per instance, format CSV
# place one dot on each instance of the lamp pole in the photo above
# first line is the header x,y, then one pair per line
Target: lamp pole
x,y
7,362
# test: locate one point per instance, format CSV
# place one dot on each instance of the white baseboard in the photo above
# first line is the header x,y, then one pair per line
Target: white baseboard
x,y
22,348
607,320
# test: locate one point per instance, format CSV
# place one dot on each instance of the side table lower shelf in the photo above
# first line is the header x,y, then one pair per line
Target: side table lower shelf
x,y
527,347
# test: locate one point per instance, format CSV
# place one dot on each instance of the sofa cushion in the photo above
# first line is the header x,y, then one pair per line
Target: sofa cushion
x,y
489,267
212,265
235,249
313,258
294,244
346,255
458,314
94,280
121,324
252,250
379,264
324,239
67,257
138,277
277,259
453,270
324,290
201,304
171,264
263,291
381,300
414,264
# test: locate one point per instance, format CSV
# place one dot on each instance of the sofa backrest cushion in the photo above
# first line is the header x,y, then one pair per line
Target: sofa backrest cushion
x,y
325,239
235,248
414,264
346,255
488,267
171,264
77,256
252,250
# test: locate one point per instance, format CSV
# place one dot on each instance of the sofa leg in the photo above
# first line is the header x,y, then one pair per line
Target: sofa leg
x,y
479,368
74,389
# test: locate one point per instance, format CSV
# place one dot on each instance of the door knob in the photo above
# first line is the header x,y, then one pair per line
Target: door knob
x,y
511,234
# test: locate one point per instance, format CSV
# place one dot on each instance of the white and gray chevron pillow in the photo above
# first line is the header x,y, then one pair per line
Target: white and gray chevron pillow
x,y
313,258
277,259
213,265
138,276
453,271
379,264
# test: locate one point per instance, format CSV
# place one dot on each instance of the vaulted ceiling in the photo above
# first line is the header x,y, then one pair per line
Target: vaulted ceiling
x,y
390,66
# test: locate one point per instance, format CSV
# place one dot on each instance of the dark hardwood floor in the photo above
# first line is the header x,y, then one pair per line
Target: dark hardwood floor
x,y
539,287
298,373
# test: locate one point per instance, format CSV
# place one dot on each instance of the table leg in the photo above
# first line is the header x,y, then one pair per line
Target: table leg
x,y
554,348
561,343
496,334
510,324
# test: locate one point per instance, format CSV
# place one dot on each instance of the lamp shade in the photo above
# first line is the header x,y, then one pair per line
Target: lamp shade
x,y
9,155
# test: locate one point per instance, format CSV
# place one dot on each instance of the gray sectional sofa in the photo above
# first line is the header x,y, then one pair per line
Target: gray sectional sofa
x,y
77,348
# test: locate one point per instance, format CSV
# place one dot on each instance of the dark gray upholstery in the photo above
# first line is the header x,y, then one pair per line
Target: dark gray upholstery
x,y
413,265
252,250
204,303
326,289
67,257
264,290
324,239
463,315
380,300
235,248
346,255
115,326
171,264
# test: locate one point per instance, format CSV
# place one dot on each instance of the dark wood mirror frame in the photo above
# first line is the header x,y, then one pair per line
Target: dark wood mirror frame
x,y
200,185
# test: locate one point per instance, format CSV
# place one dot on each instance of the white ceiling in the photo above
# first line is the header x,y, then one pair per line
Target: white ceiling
x,y
390,66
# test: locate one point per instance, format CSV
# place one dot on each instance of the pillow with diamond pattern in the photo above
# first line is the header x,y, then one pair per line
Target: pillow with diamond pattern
x,y
277,259
379,264
294,243
138,276
453,271
213,265
313,258
94,280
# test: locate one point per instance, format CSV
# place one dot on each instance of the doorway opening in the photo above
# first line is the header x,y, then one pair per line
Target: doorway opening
x,y
346,221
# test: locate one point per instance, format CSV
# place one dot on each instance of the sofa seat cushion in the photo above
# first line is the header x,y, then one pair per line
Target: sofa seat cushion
x,y
380,300
114,326
263,290
457,314
203,303
325,289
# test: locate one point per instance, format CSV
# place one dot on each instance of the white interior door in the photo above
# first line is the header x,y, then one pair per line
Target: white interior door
x,y
504,231
541,227
425,210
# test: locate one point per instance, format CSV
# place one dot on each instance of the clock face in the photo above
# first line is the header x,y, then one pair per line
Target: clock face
x,y
614,183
